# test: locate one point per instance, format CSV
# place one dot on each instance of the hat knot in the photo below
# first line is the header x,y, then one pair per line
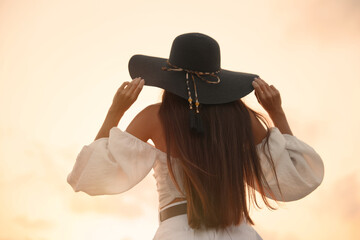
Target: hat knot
x,y
195,119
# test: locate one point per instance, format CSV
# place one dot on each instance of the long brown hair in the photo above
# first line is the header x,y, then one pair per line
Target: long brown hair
x,y
219,166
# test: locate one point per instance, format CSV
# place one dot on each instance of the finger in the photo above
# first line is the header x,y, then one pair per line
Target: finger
x,y
257,80
133,85
267,91
268,88
274,88
260,83
258,92
275,92
139,88
264,86
122,87
257,87
257,97
263,82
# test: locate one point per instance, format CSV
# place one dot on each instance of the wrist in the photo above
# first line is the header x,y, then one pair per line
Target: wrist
x,y
116,111
280,121
278,113
113,117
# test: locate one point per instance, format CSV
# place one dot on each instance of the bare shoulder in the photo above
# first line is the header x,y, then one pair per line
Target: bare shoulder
x,y
151,112
142,126
153,108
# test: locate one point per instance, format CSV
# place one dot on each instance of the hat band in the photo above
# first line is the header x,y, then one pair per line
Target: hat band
x,y
197,73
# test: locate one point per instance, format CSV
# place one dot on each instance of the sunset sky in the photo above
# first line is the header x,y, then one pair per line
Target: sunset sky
x,y
62,61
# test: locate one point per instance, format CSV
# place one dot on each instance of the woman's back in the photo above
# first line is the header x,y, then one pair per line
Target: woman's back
x,y
148,124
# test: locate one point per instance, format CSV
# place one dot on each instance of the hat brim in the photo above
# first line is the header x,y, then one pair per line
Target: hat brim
x,y
233,85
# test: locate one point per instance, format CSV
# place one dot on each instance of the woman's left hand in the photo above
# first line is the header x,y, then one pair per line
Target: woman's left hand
x,y
126,95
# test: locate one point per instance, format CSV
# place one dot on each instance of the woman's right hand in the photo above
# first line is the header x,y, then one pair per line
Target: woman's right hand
x,y
268,96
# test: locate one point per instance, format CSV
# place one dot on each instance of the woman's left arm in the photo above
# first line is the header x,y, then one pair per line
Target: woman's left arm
x,y
125,96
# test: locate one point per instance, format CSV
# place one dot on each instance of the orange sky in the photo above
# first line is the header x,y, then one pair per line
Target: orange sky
x,y
62,61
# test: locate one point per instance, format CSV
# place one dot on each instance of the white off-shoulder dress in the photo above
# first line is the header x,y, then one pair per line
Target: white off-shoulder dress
x,y
115,164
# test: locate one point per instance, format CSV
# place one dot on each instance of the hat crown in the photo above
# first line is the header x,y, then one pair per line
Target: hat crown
x,y
196,52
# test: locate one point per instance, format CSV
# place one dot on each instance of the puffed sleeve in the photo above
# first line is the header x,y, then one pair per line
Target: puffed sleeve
x,y
112,165
299,169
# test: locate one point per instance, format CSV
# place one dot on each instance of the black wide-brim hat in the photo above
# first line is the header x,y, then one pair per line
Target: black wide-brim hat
x,y
197,55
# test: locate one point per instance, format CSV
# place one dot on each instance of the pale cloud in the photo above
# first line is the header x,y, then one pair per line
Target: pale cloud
x,y
347,195
33,224
338,207
342,198
18,238
325,21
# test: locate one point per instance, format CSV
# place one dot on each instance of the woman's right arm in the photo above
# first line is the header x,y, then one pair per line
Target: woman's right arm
x,y
299,169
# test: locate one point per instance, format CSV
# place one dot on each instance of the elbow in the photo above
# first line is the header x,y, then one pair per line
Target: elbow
x,y
299,190
80,188
313,181
77,186
73,183
305,182
91,188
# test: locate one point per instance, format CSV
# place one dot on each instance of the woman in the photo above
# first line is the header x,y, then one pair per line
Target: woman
x,y
211,151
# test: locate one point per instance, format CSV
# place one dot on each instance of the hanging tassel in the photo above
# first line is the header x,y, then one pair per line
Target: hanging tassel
x,y
196,123
193,121
199,124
